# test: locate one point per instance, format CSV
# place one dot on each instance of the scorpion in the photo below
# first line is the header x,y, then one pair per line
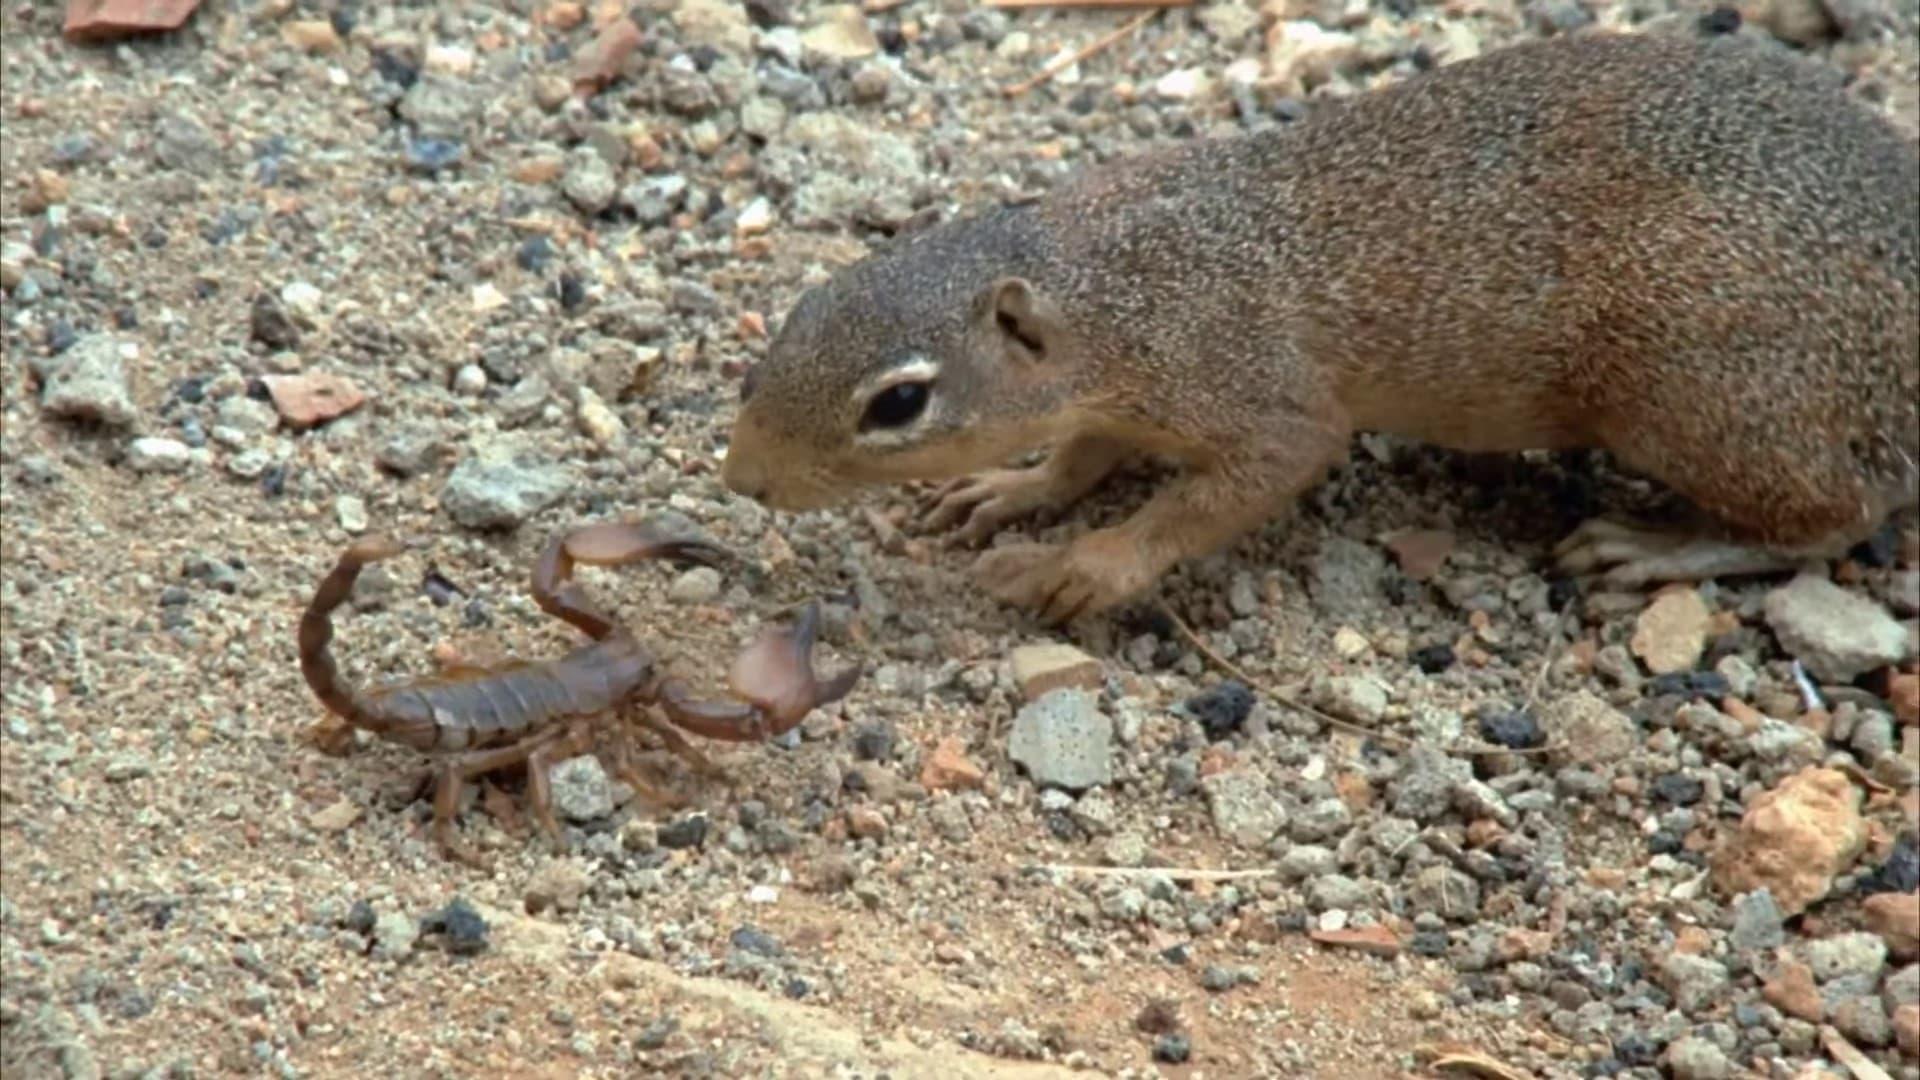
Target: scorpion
x,y
482,719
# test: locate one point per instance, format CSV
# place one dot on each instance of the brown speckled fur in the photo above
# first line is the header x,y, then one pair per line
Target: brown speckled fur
x,y
1696,254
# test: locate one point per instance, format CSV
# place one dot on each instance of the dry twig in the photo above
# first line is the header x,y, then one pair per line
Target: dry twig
x,y
1089,3
1474,1063
1343,725
1104,42
1172,873
1849,1055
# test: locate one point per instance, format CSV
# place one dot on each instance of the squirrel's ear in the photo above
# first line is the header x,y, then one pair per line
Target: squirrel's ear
x,y
1022,315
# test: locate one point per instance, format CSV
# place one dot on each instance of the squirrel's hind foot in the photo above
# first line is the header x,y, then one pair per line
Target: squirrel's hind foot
x,y
1633,556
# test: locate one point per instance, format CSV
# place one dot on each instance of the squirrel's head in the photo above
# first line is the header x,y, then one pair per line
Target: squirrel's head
x,y
930,360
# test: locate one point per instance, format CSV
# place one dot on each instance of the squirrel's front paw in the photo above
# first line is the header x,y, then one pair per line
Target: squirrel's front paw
x,y
1059,584
980,504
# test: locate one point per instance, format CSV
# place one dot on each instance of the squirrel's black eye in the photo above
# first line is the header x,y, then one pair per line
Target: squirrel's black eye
x,y
896,406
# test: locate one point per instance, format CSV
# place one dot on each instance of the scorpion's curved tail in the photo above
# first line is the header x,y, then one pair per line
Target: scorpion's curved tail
x,y
316,632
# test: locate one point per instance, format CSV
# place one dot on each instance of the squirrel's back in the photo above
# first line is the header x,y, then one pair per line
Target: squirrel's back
x,y
1698,253
1577,209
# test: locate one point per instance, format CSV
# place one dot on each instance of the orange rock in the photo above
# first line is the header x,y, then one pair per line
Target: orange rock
x,y
1671,632
1794,839
1896,918
564,16
313,398
1791,990
1520,943
1354,789
537,170
1484,833
947,767
866,821
1748,716
1904,692
94,20
1906,1029
311,35
1420,552
1606,877
596,65
1373,940
1693,940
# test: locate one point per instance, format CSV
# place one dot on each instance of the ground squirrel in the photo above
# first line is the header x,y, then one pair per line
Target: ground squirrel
x,y
1695,253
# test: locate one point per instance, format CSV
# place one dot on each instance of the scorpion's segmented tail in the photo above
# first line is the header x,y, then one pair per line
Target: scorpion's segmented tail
x,y
316,632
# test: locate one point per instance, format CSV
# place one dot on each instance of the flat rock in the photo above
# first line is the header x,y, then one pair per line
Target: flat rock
x,y
1671,632
336,817
1896,918
1585,730
89,382
1837,634
947,766
1063,740
312,398
500,484
841,33
1374,940
1038,669
1794,839
97,20
1420,552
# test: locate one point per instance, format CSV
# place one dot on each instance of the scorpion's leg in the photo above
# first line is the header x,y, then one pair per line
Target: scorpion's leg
x,y
677,743
620,754
609,544
453,776
775,682
577,739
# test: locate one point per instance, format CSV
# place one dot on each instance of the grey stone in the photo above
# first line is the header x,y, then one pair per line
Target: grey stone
x,y
590,182
1323,819
1837,634
154,454
1344,579
1757,922
1424,789
1694,1058
1857,953
89,382
581,789
1358,698
1063,740
1441,890
1694,981
501,483
393,936
1303,861
1864,1019
1244,808
1331,892
698,585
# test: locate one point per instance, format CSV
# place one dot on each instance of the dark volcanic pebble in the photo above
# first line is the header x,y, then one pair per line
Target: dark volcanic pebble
x,y
1223,708
687,832
463,929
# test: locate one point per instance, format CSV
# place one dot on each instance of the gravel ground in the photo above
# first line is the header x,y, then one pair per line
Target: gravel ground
x,y
298,271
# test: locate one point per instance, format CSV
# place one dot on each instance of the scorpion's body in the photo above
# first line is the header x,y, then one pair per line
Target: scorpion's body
x,y
541,713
